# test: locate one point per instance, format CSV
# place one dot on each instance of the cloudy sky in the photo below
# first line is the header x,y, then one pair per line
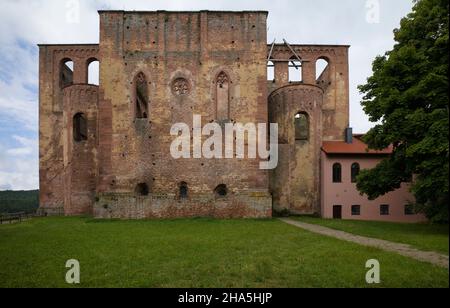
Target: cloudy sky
x,y
366,25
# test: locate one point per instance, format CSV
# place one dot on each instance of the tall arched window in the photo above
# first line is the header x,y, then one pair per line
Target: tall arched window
x,y
183,193
301,126
321,67
337,173
223,96
355,172
270,71
93,71
295,70
141,96
66,73
80,131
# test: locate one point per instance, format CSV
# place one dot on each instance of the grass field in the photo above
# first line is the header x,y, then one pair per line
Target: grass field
x,y
195,253
426,237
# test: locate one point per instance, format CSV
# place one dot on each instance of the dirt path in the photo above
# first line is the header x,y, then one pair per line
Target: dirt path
x,y
402,249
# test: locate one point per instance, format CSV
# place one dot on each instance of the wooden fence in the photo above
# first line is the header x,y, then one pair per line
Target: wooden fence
x,y
15,217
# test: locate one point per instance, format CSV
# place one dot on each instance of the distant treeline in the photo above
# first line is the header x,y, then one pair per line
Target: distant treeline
x,y
19,201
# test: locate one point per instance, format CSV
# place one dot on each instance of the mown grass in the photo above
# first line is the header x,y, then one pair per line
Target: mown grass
x,y
428,237
194,253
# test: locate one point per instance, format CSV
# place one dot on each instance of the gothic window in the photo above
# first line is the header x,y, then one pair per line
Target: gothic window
x,y
93,72
141,90
301,126
80,127
321,67
270,71
295,70
180,86
223,96
66,73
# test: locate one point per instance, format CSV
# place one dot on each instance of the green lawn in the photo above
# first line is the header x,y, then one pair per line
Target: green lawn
x,y
195,253
422,236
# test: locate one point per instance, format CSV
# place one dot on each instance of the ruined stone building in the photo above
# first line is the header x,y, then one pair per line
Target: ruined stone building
x,y
105,149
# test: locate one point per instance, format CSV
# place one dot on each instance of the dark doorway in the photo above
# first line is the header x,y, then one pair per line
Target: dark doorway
x,y
142,189
183,190
337,212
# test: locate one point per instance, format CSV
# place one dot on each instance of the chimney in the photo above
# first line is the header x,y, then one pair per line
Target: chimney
x,y
349,135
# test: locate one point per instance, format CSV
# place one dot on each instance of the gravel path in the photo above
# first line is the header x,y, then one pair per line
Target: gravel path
x,y
402,249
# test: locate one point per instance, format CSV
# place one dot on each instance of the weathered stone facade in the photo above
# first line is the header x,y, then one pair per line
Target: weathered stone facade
x,y
105,150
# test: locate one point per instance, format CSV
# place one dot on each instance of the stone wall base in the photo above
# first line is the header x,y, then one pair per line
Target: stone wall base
x,y
50,211
250,204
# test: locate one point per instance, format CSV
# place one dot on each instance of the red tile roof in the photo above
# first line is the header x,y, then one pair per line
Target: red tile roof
x,y
357,147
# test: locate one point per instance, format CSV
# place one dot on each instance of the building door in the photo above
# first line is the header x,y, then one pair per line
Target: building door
x,y
337,212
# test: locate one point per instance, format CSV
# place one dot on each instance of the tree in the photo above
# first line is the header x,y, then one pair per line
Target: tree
x,y
408,96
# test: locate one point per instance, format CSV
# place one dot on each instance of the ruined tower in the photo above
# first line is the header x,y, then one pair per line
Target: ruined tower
x,y
105,149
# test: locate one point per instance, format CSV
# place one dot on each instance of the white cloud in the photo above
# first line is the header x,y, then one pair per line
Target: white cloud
x,y
19,166
27,146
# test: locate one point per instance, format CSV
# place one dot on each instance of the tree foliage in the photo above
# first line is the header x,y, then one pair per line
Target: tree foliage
x,y
408,96
19,201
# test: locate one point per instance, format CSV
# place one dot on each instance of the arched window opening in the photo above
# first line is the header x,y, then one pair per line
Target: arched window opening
x,y
142,189
221,191
66,73
321,67
337,173
93,72
355,172
183,190
295,70
141,90
301,126
80,131
223,96
270,71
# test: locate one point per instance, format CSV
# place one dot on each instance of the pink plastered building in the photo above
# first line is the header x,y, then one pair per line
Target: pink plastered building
x,y
340,163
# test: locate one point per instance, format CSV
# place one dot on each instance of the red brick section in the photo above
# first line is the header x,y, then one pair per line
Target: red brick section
x,y
191,50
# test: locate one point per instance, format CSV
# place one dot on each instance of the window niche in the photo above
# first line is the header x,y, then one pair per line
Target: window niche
x,y
301,126
295,73
141,97
222,96
322,69
80,130
66,73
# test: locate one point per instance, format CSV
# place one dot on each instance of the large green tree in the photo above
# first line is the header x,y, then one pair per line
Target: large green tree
x,y
408,96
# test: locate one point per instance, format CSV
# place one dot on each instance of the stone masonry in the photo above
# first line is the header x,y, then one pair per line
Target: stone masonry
x,y
105,149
